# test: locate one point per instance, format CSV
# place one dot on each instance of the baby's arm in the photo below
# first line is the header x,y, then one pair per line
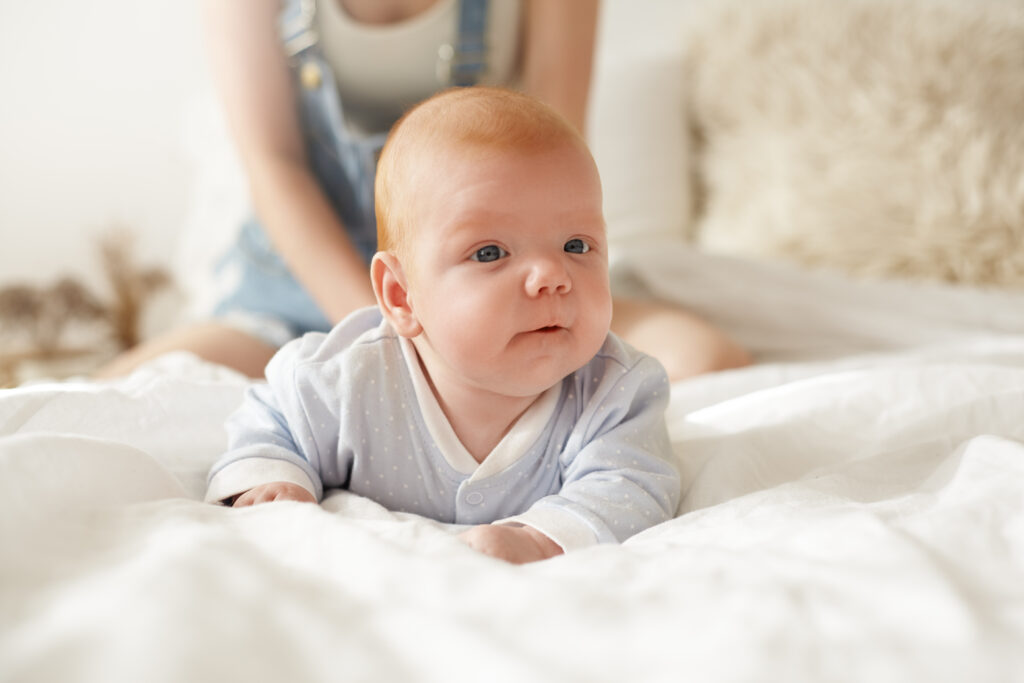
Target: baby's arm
x,y
265,448
270,440
619,475
624,477
510,542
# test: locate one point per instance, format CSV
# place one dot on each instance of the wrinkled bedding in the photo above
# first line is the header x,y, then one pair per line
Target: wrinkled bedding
x,y
853,510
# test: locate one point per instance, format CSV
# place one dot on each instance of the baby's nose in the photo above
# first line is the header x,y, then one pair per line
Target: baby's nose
x,y
547,275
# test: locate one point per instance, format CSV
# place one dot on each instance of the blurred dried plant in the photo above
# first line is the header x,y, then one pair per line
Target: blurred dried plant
x,y
35,320
43,312
132,286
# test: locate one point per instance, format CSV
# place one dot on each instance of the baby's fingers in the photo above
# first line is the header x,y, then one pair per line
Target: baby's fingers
x,y
268,493
251,497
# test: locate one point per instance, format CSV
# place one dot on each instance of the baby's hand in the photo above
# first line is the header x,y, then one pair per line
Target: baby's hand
x,y
278,490
517,544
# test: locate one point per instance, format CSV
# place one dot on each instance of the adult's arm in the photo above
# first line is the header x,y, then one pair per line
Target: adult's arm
x,y
252,75
558,54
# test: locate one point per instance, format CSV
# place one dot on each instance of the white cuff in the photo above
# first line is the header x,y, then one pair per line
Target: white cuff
x,y
562,527
242,475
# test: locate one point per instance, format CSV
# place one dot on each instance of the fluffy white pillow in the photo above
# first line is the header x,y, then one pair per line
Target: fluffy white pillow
x,y
877,137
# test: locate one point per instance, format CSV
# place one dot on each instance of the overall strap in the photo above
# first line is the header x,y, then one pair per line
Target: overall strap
x,y
296,25
465,62
323,116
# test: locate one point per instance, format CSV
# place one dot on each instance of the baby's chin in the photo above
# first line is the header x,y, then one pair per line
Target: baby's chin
x,y
528,385
531,374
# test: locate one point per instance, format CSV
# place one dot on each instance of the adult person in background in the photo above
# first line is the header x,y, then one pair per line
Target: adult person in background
x,y
310,90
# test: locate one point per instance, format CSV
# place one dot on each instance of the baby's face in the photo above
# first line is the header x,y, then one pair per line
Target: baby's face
x,y
509,277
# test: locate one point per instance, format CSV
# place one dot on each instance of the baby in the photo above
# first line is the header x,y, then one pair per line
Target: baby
x,y
485,388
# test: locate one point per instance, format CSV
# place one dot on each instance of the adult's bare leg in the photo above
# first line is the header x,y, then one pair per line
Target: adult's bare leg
x,y
213,342
684,343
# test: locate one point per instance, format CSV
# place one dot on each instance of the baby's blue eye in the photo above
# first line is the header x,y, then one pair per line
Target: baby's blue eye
x,y
491,252
577,246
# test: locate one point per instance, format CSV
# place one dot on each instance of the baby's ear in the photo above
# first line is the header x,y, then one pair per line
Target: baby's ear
x,y
392,290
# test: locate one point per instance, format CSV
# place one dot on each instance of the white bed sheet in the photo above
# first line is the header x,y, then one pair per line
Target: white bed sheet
x,y
854,510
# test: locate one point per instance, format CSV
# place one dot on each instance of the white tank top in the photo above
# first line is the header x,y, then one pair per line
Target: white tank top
x,y
382,69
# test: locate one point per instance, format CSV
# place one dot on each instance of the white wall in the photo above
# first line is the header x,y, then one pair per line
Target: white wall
x,y
92,102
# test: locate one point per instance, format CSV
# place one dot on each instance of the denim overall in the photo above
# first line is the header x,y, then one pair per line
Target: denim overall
x,y
344,164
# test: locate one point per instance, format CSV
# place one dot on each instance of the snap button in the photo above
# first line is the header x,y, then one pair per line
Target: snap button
x,y
310,75
475,498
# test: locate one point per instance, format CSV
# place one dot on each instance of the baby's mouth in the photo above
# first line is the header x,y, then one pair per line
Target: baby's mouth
x,y
549,328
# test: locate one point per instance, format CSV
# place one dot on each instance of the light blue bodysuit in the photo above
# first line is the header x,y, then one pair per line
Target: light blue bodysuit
x,y
590,461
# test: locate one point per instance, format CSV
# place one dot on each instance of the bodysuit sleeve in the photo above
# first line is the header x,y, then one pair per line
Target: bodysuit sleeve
x,y
619,474
270,438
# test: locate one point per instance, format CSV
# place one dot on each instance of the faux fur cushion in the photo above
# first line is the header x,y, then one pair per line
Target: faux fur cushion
x,y
879,137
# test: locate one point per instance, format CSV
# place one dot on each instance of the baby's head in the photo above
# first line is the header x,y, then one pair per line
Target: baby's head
x,y
493,256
